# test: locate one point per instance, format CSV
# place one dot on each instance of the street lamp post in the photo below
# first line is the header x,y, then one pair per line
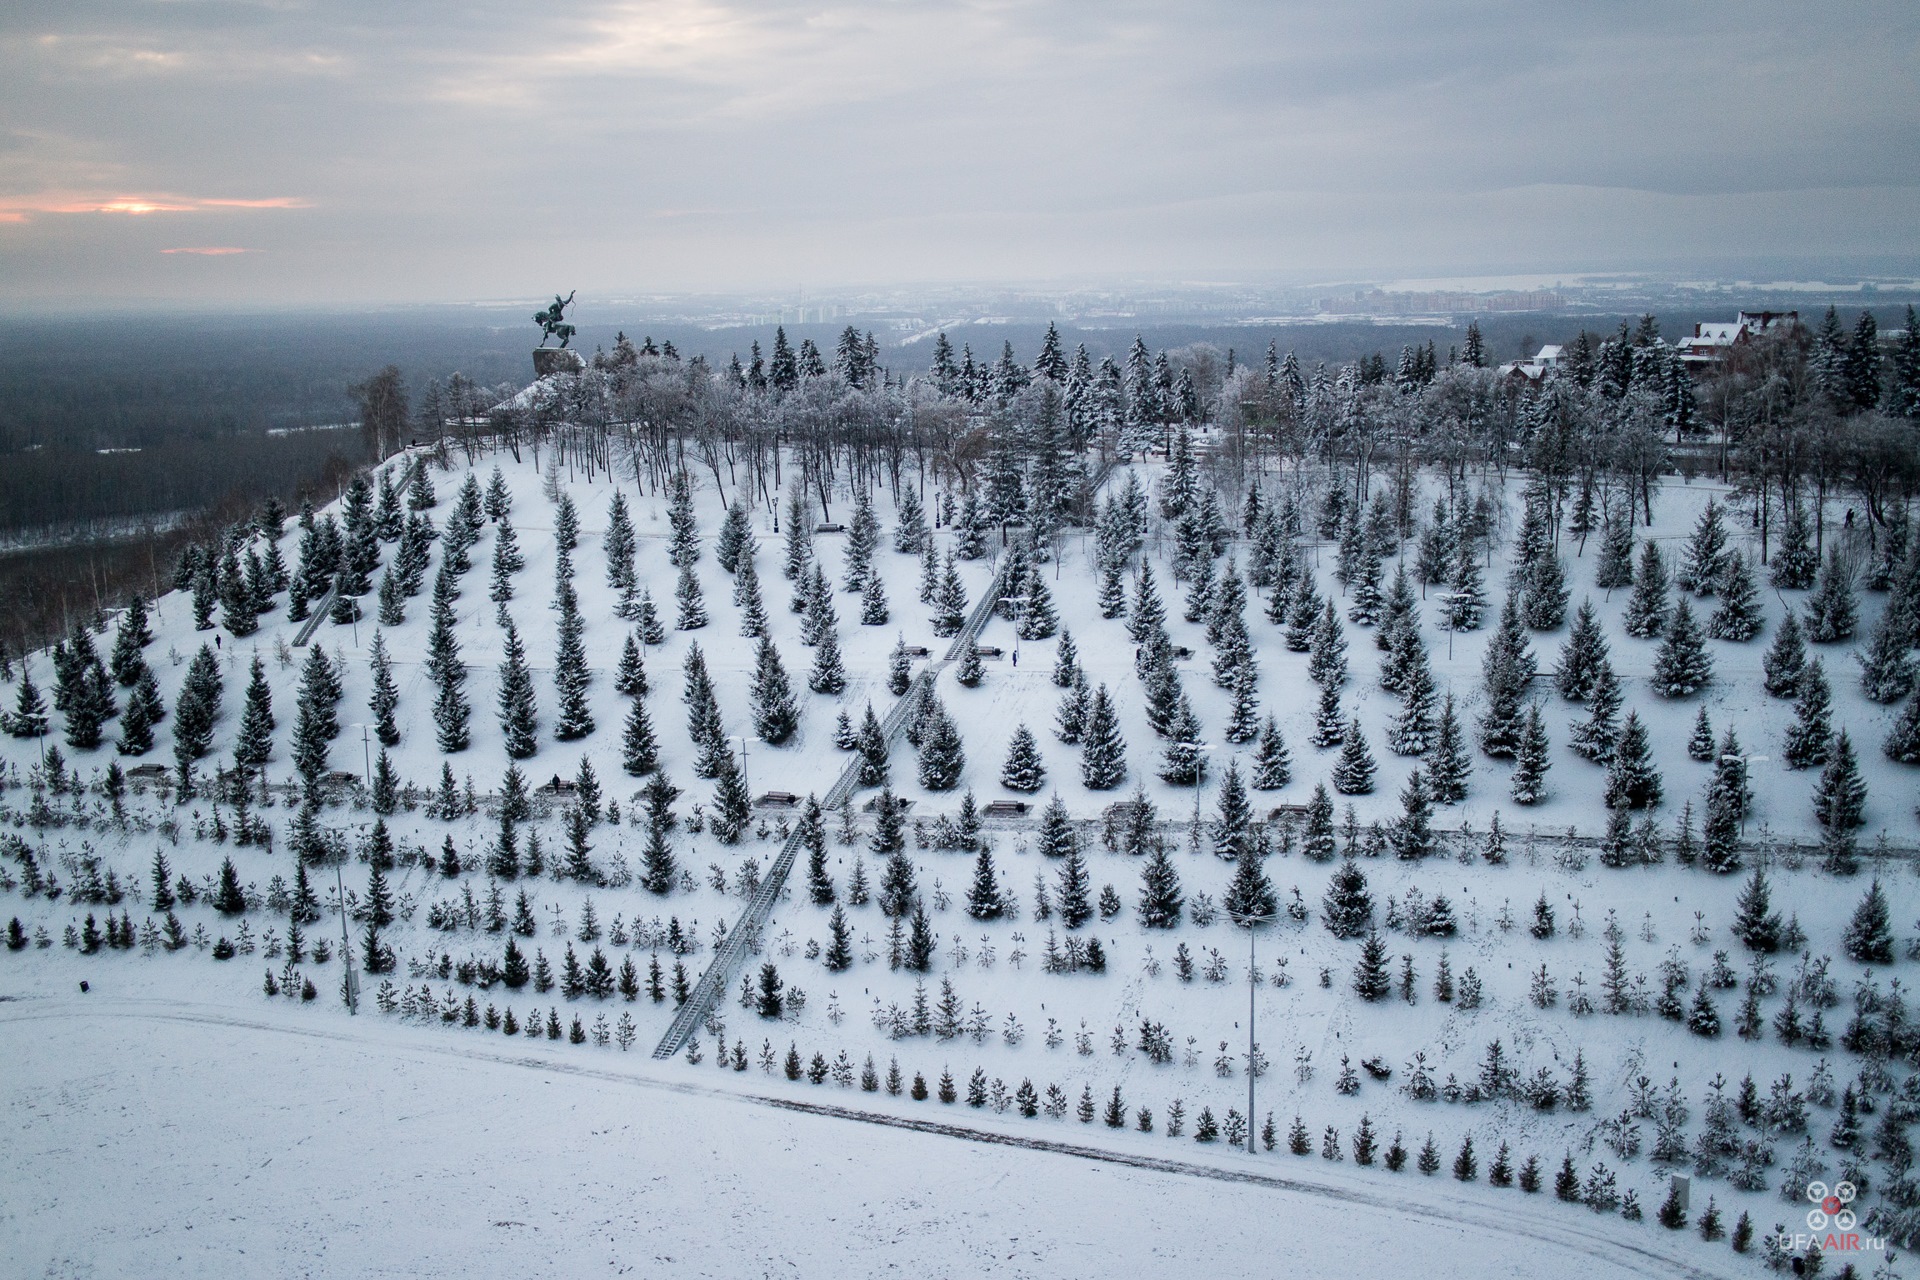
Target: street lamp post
x,y
744,782
1447,598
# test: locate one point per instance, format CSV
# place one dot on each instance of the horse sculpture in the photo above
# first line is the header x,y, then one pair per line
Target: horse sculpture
x,y
550,322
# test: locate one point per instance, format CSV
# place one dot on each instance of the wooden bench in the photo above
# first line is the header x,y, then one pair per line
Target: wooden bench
x,y
148,772
829,528
778,800
559,786
916,651
989,650
1181,651
900,805
1288,811
1006,808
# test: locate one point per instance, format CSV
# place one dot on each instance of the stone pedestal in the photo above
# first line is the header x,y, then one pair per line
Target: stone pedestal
x,y
551,360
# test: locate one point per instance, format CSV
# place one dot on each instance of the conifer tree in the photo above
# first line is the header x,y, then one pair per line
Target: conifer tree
x,y
1739,617
1024,771
686,593
775,715
1887,667
873,751
1353,772
255,743
1160,894
1632,779
647,621
144,709
683,549
1532,760
1466,599
829,675
640,752
518,723
1902,743
1413,729
630,677
1066,663
1371,981
1056,837
942,756
1700,745
1832,611
1869,934
1682,666
1327,663
1594,737
1318,842
1103,763
385,698
1839,802
1646,613
1796,562
732,806
1700,568
1249,899
658,870
28,719
1812,730
1272,762
746,595
1329,721
1507,670
1582,655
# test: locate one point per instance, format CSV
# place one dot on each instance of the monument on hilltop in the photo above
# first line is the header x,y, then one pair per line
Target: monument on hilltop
x,y
561,359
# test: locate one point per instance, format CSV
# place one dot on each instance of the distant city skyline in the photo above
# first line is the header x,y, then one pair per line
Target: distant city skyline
x,y
283,155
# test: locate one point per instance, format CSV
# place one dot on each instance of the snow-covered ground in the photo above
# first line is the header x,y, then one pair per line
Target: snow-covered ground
x,y
157,1137
388,1113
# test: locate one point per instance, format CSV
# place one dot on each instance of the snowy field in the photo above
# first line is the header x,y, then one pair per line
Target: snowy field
x,y
262,1142
419,1139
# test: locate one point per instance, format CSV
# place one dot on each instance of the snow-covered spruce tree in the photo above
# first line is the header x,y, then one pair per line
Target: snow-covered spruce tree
x,y
1506,671
1532,760
1808,737
1411,836
732,806
1700,566
1318,842
255,742
1594,737
873,603
573,714
1024,771
1682,667
746,595
1161,897
630,677
384,700
1646,613
1784,659
1902,743
1869,934
1066,662
1327,662
1353,772
829,674
1329,720
518,723
144,710
683,548
736,533
775,715
1449,766
970,672
1272,762
1413,728
1887,667
507,561
1700,744
873,751
1372,981
1074,889
1833,613
686,593
1303,616
1796,562
1546,594
1632,779
658,870
1103,757
1071,719
1582,655
1181,760
1250,898
943,758
1839,802
1148,616
1614,567
798,551
619,546
1739,617
640,751
647,620
1466,599
949,601
1055,837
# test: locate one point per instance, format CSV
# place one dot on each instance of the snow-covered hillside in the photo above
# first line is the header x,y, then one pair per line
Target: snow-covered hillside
x,y
1029,989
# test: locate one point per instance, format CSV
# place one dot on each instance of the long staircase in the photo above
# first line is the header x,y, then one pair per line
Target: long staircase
x,y
744,934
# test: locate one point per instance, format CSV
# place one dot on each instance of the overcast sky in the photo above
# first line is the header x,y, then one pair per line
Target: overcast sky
x,y
425,150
